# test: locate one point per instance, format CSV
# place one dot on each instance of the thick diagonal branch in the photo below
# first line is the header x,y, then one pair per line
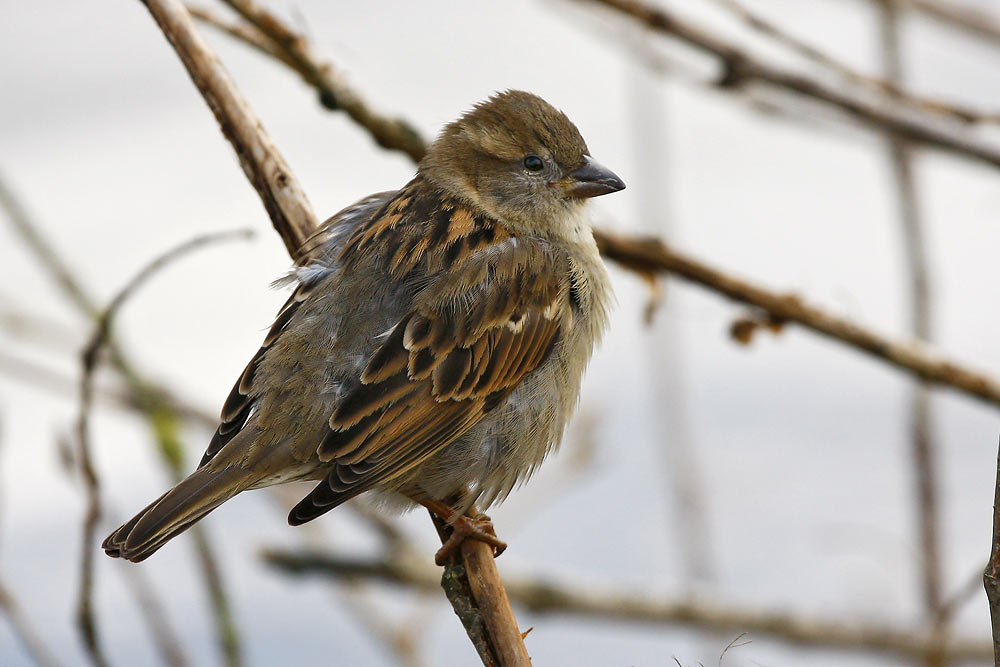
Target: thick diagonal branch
x,y
283,197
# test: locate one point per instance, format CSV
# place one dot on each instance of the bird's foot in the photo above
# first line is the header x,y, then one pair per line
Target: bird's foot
x,y
479,528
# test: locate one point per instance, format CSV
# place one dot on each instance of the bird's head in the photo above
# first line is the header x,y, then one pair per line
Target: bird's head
x,y
520,159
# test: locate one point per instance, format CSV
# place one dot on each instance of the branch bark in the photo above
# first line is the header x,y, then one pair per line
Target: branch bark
x,y
283,197
292,217
740,67
922,445
649,255
611,603
991,578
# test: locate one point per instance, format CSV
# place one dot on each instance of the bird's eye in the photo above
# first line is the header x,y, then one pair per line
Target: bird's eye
x,y
533,163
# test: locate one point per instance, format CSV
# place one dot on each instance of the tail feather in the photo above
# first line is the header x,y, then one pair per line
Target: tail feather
x,y
174,512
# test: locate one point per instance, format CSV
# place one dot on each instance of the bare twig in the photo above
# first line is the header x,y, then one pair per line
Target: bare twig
x,y
48,379
390,133
85,615
612,603
652,255
918,281
288,211
161,408
45,253
283,197
166,639
24,630
402,639
32,640
740,67
952,604
889,87
968,19
393,133
648,256
226,630
991,577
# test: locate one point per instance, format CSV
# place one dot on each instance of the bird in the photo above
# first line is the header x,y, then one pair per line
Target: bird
x,y
433,348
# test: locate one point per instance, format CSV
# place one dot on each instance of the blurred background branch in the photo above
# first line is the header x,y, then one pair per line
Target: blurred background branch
x,y
903,122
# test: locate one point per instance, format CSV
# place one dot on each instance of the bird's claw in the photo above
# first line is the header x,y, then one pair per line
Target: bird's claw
x,y
478,528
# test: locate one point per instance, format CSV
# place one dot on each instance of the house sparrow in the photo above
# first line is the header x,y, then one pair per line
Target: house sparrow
x,y
433,349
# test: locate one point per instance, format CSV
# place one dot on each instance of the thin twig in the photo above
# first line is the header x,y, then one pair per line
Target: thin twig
x,y
922,444
335,94
43,251
86,619
647,255
24,630
739,67
886,86
991,577
279,190
651,255
952,604
966,18
610,602
31,639
251,144
48,379
227,632
166,639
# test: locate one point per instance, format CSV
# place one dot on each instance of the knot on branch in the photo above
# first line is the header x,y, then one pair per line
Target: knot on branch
x,y
743,329
735,71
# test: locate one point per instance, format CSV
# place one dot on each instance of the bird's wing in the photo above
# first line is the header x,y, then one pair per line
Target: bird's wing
x,y
476,330
318,253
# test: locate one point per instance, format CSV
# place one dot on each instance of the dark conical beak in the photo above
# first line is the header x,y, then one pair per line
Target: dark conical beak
x,y
592,180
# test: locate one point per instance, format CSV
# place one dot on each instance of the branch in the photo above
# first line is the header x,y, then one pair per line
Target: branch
x,y
991,578
283,197
242,129
611,603
969,19
335,94
89,358
923,448
651,255
476,593
161,409
740,67
647,255
888,87
22,628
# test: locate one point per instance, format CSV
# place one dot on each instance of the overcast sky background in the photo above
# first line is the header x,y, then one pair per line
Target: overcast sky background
x,y
801,443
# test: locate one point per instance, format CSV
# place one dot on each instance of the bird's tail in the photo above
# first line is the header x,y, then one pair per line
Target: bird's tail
x,y
175,511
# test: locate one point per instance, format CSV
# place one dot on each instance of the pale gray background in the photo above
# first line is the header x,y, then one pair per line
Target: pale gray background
x,y
801,443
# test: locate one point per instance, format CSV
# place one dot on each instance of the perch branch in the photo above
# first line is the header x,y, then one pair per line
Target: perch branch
x,y
243,131
611,603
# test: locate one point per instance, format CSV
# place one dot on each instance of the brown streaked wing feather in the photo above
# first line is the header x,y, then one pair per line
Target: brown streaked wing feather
x,y
436,375
239,404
